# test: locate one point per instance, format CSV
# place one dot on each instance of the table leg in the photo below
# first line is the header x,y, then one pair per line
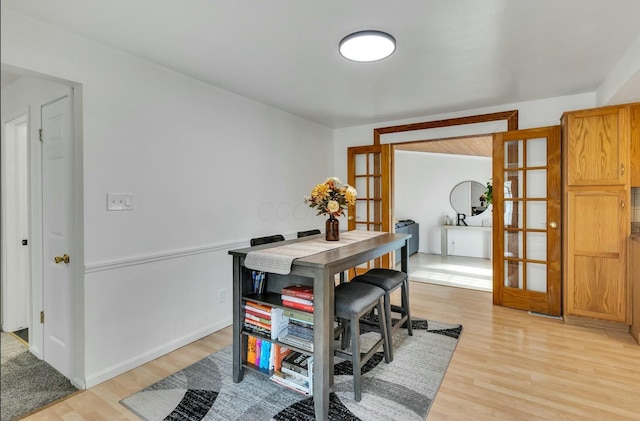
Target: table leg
x,y
323,285
237,320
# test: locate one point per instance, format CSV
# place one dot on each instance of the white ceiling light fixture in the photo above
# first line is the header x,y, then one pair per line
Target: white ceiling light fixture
x,y
365,46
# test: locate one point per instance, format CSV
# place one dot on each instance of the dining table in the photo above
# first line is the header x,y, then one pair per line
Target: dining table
x,y
328,261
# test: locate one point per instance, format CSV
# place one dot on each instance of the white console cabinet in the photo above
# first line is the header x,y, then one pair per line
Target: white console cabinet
x,y
469,241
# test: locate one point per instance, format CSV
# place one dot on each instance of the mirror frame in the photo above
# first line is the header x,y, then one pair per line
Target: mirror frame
x,y
473,199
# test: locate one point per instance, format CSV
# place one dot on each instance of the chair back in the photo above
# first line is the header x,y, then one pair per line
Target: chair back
x,y
308,233
268,239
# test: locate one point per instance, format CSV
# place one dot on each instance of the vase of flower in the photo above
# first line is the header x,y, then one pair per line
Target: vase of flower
x,y
332,198
332,228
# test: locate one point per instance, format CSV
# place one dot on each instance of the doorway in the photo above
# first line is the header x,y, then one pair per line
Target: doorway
x,y
435,181
53,301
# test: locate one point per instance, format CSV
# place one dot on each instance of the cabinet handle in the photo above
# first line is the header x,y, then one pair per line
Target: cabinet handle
x,y
622,169
622,204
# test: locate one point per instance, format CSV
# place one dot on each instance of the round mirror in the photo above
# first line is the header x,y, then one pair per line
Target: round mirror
x,y
466,197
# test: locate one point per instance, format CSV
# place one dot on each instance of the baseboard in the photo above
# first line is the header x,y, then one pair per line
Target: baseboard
x,y
111,372
596,323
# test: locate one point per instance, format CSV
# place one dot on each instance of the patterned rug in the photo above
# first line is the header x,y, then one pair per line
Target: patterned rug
x,y
402,390
27,383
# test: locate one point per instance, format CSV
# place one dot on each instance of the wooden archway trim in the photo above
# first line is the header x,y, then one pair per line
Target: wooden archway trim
x,y
510,116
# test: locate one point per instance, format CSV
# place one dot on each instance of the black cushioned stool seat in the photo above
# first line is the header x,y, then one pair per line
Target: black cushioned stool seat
x,y
390,280
352,301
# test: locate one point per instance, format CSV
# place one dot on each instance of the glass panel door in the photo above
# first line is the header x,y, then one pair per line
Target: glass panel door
x,y
527,246
369,171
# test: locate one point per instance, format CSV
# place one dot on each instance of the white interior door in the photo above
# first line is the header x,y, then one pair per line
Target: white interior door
x,y
15,226
57,204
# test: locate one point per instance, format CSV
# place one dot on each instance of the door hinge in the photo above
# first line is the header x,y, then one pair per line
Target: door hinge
x,y
42,317
40,134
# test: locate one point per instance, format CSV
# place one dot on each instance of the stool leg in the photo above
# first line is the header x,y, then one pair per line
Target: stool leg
x,y
386,339
389,323
355,358
405,305
346,334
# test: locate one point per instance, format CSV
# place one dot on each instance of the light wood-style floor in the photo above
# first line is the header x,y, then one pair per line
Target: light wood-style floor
x,y
508,365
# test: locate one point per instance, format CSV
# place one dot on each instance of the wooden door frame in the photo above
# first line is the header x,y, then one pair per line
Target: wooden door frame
x,y
511,118
387,154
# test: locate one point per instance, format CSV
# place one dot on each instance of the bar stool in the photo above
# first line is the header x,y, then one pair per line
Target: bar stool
x,y
390,280
266,240
308,233
352,301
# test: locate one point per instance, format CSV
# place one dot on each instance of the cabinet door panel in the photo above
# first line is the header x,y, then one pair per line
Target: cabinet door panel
x,y
595,154
635,145
596,254
599,292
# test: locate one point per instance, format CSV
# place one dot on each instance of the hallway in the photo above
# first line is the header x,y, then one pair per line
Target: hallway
x,y
455,271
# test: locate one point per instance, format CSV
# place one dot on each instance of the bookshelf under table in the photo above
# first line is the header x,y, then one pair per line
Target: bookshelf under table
x,y
317,270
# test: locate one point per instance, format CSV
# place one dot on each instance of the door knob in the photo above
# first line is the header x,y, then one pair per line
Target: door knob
x,y
60,259
553,224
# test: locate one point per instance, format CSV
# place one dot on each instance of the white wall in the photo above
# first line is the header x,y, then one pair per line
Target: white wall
x,y
423,182
207,169
540,113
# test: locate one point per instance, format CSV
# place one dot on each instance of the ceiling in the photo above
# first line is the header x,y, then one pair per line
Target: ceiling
x,y
474,145
451,55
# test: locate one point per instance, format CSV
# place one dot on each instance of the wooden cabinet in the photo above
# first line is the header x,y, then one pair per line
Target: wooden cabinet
x,y
635,145
635,287
597,167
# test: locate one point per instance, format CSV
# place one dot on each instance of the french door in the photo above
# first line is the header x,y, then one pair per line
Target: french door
x,y
370,171
526,218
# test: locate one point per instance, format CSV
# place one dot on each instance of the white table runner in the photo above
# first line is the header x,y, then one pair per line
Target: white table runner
x,y
279,259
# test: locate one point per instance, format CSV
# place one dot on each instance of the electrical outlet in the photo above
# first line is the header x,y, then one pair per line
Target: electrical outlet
x,y
222,295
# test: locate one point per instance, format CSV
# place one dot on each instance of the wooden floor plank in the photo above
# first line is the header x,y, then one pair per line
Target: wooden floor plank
x,y
508,365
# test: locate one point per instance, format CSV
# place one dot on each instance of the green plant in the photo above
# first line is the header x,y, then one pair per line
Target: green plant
x,y
488,194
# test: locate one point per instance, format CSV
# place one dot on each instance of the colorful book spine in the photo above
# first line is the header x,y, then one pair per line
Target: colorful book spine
x,y
298,362
279,353
257,318
298,306
279,323
300,291
265,353
298,315
283,381
256,329
258,310
255,323
297,342
251,350
259,306
296,300
258,351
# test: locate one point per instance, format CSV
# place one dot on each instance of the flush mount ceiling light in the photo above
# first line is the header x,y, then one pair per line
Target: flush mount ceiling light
x,y
367,46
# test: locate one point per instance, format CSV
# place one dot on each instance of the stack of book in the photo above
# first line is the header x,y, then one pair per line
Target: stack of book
x,y
299,297
264,320
299,332
296,373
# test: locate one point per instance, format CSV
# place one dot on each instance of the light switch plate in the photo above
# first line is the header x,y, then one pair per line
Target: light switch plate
x,y
119,202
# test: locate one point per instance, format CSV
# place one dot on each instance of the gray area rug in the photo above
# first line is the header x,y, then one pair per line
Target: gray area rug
x,y
27,383
402,390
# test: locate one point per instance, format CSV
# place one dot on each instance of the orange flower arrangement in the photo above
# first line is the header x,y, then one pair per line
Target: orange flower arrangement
x,y
331,197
